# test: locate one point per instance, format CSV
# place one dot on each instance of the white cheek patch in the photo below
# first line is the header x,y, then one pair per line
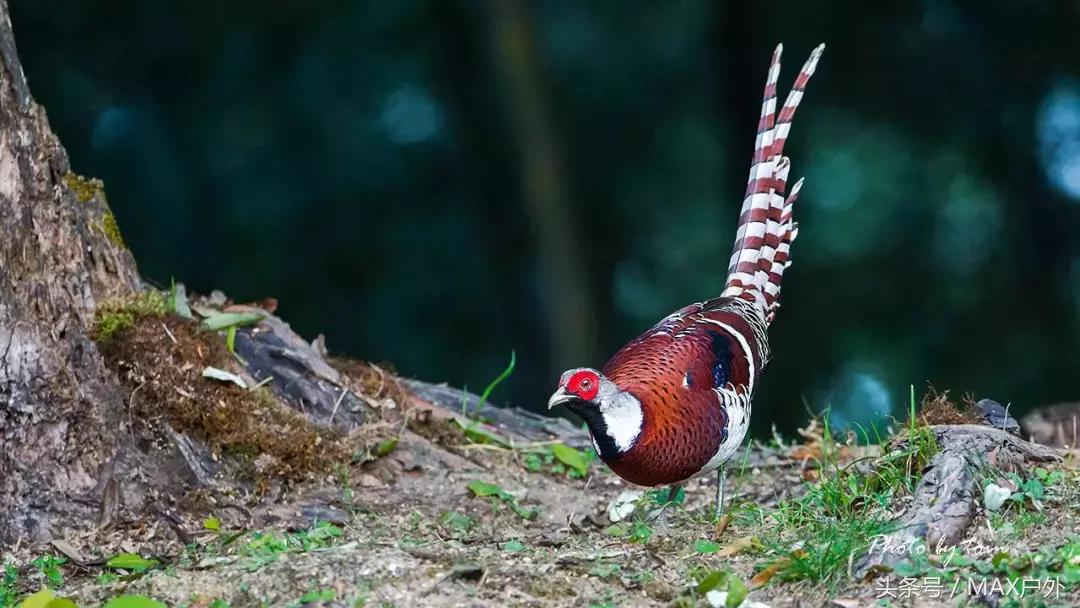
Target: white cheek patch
x,y
623,420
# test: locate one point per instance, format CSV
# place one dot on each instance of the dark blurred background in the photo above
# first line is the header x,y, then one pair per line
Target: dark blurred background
x,y
435,183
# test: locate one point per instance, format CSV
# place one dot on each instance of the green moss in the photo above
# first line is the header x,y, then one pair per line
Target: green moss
x,y
162,357
109,323
84,188
111,230
118,314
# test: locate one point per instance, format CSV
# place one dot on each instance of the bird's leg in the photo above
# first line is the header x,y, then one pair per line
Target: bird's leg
x,y
673,492
721,477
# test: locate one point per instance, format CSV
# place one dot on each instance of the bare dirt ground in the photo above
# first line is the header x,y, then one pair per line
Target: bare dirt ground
x,y
407,530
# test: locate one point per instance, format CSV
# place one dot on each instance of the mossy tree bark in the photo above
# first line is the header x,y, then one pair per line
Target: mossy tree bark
x,y
60,254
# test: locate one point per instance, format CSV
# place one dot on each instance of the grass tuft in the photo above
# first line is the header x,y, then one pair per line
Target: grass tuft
x,y
815,536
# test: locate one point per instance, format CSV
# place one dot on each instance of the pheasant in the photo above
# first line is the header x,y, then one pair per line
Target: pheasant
x,y
674,403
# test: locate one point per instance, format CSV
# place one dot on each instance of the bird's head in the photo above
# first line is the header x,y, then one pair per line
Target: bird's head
x,y
614,416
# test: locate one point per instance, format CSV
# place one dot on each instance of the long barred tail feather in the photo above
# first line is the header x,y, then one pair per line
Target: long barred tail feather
x,y
782,258
766,229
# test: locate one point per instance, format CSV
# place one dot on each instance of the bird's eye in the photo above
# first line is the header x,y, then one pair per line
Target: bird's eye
x,y
585,384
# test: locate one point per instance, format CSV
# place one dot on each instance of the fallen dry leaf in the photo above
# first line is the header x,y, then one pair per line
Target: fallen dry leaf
x,y
69,551
738,546
762,578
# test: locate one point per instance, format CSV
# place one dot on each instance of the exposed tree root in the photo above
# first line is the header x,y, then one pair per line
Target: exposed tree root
x,y
947,497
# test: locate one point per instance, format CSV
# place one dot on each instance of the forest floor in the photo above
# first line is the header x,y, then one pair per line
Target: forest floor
x,y
438,509
475,524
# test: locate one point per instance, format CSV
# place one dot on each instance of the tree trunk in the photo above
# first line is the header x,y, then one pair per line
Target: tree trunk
x,y
565,288
60,254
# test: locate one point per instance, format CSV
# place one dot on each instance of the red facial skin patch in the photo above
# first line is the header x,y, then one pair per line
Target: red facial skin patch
x,y
585,384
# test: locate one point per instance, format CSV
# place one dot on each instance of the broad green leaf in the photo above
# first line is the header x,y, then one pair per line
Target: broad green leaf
x,y
706,546
513,546
386,447
478,434
324,530
317,595
131,561
224,320
520,511
212,523
1070,574
39,599
616,530
907,568
61,602
736,592
640,532
958,559
713,580
133,601
483,488
571,458
458,522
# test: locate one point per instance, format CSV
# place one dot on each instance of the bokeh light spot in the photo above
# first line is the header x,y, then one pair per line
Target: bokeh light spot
x,y
411,116
1059,137
112,125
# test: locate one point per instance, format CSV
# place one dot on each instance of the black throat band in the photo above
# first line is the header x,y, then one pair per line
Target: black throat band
x,y
590,413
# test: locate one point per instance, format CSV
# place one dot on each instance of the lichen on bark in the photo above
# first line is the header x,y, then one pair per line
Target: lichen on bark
x,y
111,230
84,189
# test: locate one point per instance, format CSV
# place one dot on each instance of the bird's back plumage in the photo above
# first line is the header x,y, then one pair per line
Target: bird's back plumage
x,y
694,373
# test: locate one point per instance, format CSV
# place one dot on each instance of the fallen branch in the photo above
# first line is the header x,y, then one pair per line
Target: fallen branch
x,y
516,423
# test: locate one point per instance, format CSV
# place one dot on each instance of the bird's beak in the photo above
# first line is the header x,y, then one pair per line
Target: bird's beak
x,y
560,396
